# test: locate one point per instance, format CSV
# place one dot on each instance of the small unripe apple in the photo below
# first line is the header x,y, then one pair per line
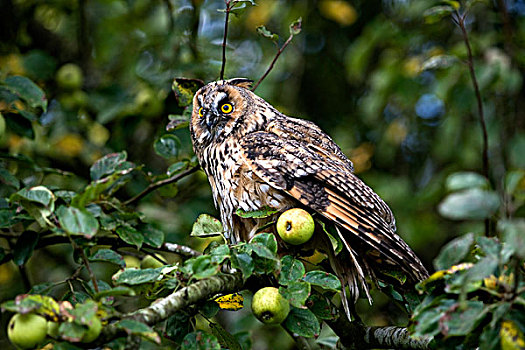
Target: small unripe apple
x,y
269,306
295,226
93,331
26,331
149,262
70,77
52,329
131,261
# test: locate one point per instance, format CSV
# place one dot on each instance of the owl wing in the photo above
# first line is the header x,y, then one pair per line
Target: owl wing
x,y
326,184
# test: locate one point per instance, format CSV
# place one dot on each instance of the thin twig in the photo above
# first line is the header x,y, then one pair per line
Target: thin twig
x,y
112,241
155,185
85,261
460,21
227,2
279,52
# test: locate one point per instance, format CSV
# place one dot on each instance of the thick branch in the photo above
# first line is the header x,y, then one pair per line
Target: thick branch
x,y
355,335
164,308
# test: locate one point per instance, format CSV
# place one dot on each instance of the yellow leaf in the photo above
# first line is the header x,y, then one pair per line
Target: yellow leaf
x,y
231,302
511,337
338,11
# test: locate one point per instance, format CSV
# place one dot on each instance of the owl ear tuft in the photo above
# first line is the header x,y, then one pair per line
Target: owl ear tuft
x,y
241,82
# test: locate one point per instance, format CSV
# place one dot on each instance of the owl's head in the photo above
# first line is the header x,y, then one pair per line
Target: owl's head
x,y
220,108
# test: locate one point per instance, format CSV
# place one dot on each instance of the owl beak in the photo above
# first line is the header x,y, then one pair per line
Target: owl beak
x,y
211,120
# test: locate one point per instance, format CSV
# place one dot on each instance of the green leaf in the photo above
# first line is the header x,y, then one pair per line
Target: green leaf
x,y
461,320
72,331
107,165
24,247
206,226
263,251
302,322
454,252
323,279
177,122
109,256
117,291
332,234
167,146
226,340
134,277
8,179
470,204
177,326
176,168
209,309
296,292
483,268
130,235
184,89
38,194
138,328
220,253
19,125
261,30
514,235
77,221
296,26
8,218
490,246
436,13
320,306
257,214
291,270
427,320
27,91
152,236
266,239
464,180
243,262
200,340
201,267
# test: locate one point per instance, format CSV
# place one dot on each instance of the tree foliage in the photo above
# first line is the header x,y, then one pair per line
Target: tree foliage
x,y
104,215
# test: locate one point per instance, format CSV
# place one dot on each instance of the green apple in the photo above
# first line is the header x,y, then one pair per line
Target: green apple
x,y
52,329
149,262
93,331
70,77
26,331
131,261
269,306
295,226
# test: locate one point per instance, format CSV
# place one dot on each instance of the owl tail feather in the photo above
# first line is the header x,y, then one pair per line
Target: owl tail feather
x,y
350,275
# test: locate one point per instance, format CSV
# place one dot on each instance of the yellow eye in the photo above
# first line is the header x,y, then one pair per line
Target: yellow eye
x,y
201,112
227,108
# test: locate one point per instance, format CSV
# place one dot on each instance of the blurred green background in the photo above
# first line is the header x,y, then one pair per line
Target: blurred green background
x,y
393,91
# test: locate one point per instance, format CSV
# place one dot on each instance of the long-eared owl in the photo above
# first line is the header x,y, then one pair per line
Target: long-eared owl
x,y
255,157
